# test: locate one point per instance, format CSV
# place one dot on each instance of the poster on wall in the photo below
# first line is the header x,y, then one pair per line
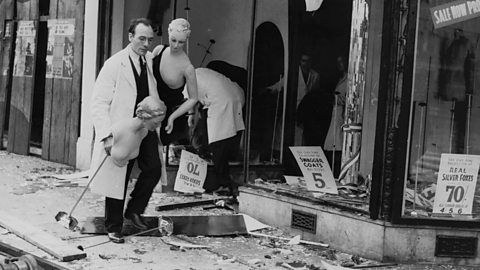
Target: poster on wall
x,y
7,35
8,29
457,178
24,49
61,33
315,169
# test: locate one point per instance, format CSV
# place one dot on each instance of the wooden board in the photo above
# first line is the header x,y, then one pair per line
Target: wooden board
x,y
21,105
16,252
21,102
6,13
186,225
43,240
62,96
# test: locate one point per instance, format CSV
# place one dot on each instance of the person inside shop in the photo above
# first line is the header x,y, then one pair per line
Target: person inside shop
x,y
308,80
334,140
456,85
124,81
315,108
172,70
221,119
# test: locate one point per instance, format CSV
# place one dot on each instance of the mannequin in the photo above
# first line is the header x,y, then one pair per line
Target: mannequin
x,y
127,135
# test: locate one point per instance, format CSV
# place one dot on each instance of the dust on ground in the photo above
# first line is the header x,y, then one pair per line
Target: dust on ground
x,y
30,190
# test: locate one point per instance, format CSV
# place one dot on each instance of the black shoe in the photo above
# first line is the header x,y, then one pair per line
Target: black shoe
x,y
116,237
136,220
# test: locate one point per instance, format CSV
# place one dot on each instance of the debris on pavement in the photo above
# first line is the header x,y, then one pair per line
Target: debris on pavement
x,y
289,240
328,266
184,245
35,182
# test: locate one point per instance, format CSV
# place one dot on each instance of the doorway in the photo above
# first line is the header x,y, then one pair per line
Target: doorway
x,y
36,131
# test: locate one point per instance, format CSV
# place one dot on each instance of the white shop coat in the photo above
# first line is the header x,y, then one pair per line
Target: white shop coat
x,y
113,100
224,100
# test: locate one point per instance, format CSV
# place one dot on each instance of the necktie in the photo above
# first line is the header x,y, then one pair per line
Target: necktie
x,y
142,65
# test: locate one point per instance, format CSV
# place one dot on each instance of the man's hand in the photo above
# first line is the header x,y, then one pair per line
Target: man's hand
x,y
107,144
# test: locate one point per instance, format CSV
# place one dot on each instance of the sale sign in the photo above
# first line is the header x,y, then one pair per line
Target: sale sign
x,y
191,174
315,169
457,178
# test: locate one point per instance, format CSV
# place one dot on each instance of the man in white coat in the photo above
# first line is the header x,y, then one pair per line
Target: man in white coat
x,y
222,101
125,79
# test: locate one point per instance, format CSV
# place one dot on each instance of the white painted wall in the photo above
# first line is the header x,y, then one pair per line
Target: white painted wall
x,y
84,142
137,9
118,32
228,22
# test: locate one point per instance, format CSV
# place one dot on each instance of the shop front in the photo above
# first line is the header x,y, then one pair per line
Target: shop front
x,y
414,96
385,90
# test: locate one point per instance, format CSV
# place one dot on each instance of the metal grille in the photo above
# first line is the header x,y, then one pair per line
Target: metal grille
x,y
455,246
304,221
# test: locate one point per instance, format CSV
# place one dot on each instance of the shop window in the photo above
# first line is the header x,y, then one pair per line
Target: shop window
x,y
443,155
317,100
324,41
215,46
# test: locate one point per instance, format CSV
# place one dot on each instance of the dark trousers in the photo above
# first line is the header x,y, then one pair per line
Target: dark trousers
x,y
222,151
150,167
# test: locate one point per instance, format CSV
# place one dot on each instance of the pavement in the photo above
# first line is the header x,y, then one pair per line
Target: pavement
x,y
30,190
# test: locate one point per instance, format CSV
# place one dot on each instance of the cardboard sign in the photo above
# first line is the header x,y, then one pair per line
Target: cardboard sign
x,y
315,169
295,181
454,12
191,174
457,178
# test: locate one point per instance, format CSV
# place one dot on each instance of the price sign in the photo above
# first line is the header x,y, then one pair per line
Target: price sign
x,y
315,169
457,178
191,174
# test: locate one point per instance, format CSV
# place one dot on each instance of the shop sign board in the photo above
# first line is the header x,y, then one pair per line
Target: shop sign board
x,y
191,174
315,169
454,12
61,33
456,181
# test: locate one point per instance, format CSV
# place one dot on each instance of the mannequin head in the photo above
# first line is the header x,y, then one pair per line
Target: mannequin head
x,y
178,33
151,110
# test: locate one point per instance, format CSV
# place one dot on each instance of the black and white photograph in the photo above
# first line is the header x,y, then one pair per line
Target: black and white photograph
x,y
239,134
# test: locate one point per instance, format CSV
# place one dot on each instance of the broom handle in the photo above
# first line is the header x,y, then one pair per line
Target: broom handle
x,y
89,182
